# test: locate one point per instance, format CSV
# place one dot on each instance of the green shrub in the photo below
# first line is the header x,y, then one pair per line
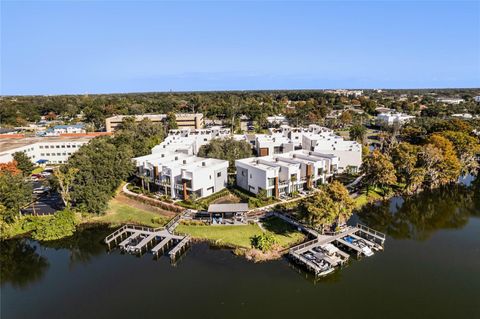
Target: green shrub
x,y
264,242
61,224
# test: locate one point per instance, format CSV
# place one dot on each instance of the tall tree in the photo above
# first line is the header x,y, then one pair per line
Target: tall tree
x,y
466,148
15,192
65,179
23,163
378,170
227,149
345,204
358,133
440,161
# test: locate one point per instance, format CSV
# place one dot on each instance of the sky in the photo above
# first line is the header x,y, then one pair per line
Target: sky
x,y
76,47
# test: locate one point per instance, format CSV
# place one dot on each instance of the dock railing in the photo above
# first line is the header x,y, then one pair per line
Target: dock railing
x,y
372,231
174,220
131,227
305,244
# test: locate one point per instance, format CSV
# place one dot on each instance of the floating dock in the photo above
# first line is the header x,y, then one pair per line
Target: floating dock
x,y
138,239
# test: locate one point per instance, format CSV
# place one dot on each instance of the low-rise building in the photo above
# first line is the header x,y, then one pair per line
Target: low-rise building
x,y
286,173
391,118
180,175
45,150
58,130
450,100
184,120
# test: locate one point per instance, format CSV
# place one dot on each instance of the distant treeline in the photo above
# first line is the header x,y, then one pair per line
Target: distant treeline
x,y
310,105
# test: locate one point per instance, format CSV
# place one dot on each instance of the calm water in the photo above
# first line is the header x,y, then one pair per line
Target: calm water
x,y
430,269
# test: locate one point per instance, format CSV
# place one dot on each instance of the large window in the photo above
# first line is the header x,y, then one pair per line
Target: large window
x,y
271,181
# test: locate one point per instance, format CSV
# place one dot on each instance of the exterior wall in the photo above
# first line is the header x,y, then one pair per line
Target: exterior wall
x,y
346,159
242,177
56,152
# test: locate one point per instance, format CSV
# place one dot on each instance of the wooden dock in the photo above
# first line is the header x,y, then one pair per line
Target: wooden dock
x,y
307,253
160,238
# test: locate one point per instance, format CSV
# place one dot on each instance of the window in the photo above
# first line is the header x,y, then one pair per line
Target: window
x,y
42,154
46,146
58,154
41,146
219,174
68,146
63,146
48,154
271,181
57,146
210,176
320,171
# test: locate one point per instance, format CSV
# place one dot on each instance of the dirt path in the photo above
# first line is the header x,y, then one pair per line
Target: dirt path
x,y
134,203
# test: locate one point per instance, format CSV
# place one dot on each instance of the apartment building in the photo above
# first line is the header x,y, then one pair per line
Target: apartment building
x,y
286,173
44,150
391,118
180,175
189,141
184,120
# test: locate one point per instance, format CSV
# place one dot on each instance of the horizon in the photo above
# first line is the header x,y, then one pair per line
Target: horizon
x,y
252,90
49,48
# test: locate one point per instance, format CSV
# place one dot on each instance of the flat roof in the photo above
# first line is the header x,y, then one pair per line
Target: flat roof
x,y
228,208
12,143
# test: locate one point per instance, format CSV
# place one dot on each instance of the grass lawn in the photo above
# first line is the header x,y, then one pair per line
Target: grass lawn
x,y
119,213
240,236
363,199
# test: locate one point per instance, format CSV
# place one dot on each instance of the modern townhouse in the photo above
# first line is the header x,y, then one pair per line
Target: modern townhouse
x,y
349,153
189,141
272,144
286,173
180,175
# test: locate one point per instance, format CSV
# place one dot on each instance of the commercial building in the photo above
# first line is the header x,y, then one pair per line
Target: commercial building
x,y
44,150
450,100
391,118
286,173
184,120
180,175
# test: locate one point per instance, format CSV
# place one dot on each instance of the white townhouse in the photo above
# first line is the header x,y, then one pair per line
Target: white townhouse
x,y
272,144
349,153
282,174
42,150
391,118
189,140
180,175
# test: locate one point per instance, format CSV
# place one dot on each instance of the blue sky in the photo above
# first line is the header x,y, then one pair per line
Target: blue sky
x,y
104,47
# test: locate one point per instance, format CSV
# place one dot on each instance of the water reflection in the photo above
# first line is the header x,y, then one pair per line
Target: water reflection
x,y
20,263
83,245
418,217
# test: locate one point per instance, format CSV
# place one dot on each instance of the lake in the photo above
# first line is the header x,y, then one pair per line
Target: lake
x,y
430,269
